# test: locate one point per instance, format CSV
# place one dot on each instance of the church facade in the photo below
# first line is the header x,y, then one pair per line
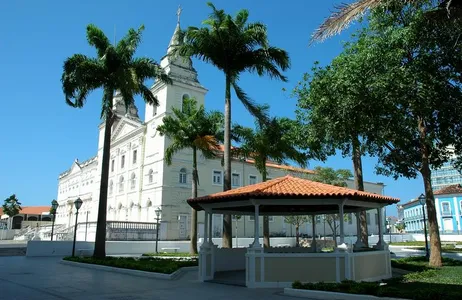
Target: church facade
x,y
140,181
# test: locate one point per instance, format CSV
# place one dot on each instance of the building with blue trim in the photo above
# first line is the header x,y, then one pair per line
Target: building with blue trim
x,y
448,202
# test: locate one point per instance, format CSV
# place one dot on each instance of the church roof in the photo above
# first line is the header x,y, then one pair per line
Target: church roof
x,y
80,164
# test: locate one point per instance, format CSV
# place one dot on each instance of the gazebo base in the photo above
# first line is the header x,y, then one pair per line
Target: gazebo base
x,y
279,270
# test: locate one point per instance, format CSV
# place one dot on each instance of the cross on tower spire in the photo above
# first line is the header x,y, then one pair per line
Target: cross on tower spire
x,y
178,13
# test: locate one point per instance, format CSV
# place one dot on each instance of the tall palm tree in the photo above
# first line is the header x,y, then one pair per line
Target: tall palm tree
x,y
113,69
192,128
269,141
344,14
233,46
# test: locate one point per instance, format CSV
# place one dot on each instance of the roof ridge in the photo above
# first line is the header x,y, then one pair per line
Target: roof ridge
x,y
276,181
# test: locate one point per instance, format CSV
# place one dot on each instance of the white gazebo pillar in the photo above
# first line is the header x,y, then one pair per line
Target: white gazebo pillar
x,y
380,243
342,225
313,243
256,240
359,244
254,255
206,260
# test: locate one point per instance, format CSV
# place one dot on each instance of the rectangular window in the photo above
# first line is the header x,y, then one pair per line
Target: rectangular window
x,y
154,110
445,208
182,178
122,162
135,154
252,179
368,218
236,181
112,165
217,177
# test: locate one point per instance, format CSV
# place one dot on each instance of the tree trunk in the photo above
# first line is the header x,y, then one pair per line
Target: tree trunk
x,y
266,233
227,241
195,177
435,242
297,235
100,237
359,185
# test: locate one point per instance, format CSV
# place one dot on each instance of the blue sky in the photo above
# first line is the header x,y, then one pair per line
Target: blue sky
x,y
41,136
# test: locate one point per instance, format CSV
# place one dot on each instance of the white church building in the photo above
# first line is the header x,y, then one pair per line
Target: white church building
x,y
140,181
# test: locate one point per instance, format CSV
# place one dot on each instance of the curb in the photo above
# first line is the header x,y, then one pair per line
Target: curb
x,y
321,295
138,273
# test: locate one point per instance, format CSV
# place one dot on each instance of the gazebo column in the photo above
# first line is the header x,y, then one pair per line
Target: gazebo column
x,y
313,243
206,260
359,244
256,240
342,225
380,243
254,256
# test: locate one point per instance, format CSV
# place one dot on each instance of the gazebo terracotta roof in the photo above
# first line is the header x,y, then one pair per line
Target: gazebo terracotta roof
x,y
291,188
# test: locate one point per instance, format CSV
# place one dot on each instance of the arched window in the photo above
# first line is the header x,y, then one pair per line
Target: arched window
x,y
111,187
151,176
182,178
184,106
133,181
121,184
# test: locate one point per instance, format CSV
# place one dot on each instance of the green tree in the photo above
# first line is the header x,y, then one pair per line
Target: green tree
x,y
334,103
192,128
400,227
114,69
345,14
11,207
338,178
414,87
268,142
296,221
234,46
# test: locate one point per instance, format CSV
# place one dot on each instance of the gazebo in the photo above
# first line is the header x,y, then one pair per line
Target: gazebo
x,y
279,267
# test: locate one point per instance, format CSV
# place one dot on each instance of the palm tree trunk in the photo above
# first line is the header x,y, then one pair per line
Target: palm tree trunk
x,y
193,246
227,241
359,185
435,242
266,237
297,235
100,238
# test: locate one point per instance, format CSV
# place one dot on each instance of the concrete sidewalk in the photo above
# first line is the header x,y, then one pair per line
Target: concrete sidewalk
x,y
25,278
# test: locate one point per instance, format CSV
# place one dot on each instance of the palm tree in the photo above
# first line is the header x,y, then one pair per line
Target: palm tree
x,y
234,47
114,69
344,14
269,141
192,128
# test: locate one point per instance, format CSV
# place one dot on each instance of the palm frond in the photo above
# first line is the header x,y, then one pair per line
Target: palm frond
x,y
249,104
98,39
127,46
81,75
342,17
171,150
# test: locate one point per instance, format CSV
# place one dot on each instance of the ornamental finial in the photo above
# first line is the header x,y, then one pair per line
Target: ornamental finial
x,y
178,13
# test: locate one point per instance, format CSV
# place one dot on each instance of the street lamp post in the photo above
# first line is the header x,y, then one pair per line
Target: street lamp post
x,y
422,199
77,204
158,212
54,207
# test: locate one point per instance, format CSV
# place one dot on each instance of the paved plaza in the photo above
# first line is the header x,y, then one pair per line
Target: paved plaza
x,y
24,278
